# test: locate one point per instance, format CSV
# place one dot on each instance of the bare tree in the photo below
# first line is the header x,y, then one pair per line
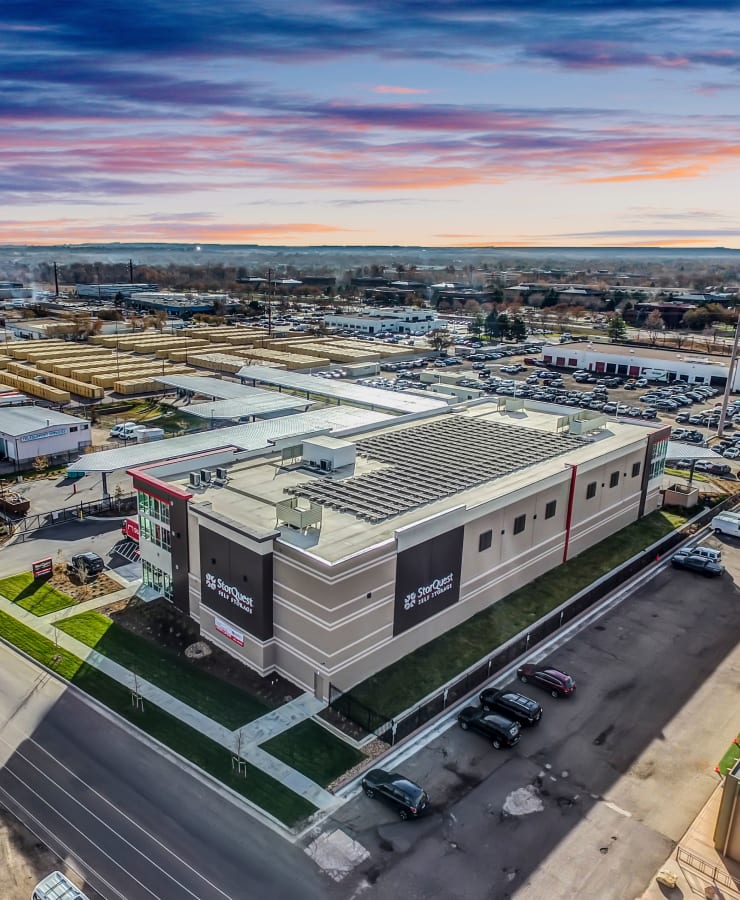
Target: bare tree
x,y
654,325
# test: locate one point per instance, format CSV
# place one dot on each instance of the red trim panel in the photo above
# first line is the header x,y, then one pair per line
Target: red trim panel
x,y
155,483
569,517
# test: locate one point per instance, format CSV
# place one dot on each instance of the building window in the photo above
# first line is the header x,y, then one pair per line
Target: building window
x,y
614,479
636,467
550,509
72,428
155,533
150,506
519,524
485,540
657,459
590,490
157,579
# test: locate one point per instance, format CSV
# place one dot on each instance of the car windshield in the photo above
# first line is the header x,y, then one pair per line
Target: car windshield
x,y
568,681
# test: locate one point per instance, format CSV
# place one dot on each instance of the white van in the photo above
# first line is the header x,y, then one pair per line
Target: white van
x,y
57,887
726,523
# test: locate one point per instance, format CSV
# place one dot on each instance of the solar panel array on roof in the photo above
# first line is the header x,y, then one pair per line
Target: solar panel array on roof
x,y
397,401
432,461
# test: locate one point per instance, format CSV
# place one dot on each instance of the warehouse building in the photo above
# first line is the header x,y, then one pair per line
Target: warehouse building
x,y
406,320
29,432
666,365
326,557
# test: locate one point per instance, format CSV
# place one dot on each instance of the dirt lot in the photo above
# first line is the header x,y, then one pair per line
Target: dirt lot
x,y
24,860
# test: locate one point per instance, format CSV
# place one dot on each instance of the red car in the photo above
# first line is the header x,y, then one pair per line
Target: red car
x,y
558,683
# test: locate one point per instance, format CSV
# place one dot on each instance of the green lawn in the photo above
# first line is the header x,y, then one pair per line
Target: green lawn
x,y
258,787
215,698
37,596
732,754
405,682
313,750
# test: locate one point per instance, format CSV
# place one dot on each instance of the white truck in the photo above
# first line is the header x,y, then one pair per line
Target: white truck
x,y
726,523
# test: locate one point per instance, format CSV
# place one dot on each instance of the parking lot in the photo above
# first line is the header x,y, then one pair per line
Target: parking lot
x,y
592,800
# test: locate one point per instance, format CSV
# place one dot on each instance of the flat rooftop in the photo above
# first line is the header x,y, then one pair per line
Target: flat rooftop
x,y
408,472
651,353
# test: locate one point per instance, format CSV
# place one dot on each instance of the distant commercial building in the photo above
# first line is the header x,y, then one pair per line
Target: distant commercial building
x,y
357,547
406,320
182,305
14,290
111,291
667,365
27,432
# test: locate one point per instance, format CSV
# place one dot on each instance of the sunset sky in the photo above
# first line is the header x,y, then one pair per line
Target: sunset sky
x,y
434,122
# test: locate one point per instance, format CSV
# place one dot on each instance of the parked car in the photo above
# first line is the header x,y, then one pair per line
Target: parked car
x,y
704,552
88,563
698,564
408,798
512,704
557,682
57,886
503,732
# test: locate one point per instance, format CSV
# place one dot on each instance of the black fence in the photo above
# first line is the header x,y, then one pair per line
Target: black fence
x,y
105,507
392,730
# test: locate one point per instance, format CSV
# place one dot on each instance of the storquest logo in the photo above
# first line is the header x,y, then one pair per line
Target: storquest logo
x,y
428,591
229,592
210,581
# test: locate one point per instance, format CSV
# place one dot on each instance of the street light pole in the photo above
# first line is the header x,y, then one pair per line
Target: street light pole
x,y
730,380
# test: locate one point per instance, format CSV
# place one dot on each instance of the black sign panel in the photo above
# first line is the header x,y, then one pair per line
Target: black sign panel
x,y
427,579
42,568
236,583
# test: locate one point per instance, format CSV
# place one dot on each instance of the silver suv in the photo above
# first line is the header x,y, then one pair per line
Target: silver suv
x,y
703,552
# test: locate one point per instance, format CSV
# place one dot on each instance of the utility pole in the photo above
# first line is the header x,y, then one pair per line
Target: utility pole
x,y
56,281
730,380
130,271
269,302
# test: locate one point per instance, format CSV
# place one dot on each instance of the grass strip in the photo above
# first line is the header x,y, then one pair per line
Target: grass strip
x,y
313,750
404,683
35,596
730,757
258,787
217,699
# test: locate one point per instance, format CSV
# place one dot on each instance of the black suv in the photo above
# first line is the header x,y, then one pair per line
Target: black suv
x,y
88,563
502,731
408,798
516,706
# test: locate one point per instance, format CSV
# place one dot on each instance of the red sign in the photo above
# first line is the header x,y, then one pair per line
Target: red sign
x,y
42,568
130,529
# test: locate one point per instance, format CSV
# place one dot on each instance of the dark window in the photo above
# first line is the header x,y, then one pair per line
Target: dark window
x,y
73,428
485,540
614,479
590,490
550,509
636,469
519,524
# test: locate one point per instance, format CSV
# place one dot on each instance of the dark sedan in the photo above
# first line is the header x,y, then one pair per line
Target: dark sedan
x,y
503,732
697,564
408,798
512,704
558,683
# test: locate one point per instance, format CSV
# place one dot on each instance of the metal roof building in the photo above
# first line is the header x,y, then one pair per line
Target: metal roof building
x,y
375,398
231,400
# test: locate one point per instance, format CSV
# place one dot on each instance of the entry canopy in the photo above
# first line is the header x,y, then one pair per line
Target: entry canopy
x,y
679,450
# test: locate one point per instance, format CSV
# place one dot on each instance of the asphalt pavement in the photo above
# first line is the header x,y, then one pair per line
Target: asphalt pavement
x,y
591,801
137,824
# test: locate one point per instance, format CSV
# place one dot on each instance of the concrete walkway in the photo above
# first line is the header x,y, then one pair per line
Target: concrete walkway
x,y
281,719
249,750
89,605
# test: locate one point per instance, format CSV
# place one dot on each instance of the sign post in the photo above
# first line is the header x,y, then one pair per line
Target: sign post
x,y
42,568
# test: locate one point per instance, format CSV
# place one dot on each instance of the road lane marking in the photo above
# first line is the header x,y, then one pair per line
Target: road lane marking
x,y
93,815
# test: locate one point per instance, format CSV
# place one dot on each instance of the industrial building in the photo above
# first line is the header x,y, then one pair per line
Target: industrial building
x,y
326,550
653,363
406,320
29,432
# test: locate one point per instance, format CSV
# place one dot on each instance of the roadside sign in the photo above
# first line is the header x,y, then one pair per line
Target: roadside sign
x,y
42,568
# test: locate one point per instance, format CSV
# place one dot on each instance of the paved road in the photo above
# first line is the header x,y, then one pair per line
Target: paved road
x,y
68,537
138,825
607,783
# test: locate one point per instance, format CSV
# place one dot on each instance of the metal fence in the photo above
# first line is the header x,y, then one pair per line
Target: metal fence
x,y
393,729
108,506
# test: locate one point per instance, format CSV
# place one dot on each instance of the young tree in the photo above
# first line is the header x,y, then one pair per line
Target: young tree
x,y
503,326
518,329
616,328
654,325
40,463
476,326
440,340
491,324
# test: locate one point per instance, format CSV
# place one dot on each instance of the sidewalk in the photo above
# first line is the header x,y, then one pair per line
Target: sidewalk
x,y
88,605
263,728
695,861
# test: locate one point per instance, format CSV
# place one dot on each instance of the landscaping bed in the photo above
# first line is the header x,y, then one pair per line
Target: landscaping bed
x,y
313,750
257,786
730,757
176,674
42,596
404,683
162,625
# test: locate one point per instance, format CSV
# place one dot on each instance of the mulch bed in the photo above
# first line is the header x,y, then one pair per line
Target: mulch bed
x,y
163,625
97,587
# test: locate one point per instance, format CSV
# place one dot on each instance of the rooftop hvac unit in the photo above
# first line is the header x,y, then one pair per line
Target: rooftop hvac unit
x,y
195,479
205,476
221,474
